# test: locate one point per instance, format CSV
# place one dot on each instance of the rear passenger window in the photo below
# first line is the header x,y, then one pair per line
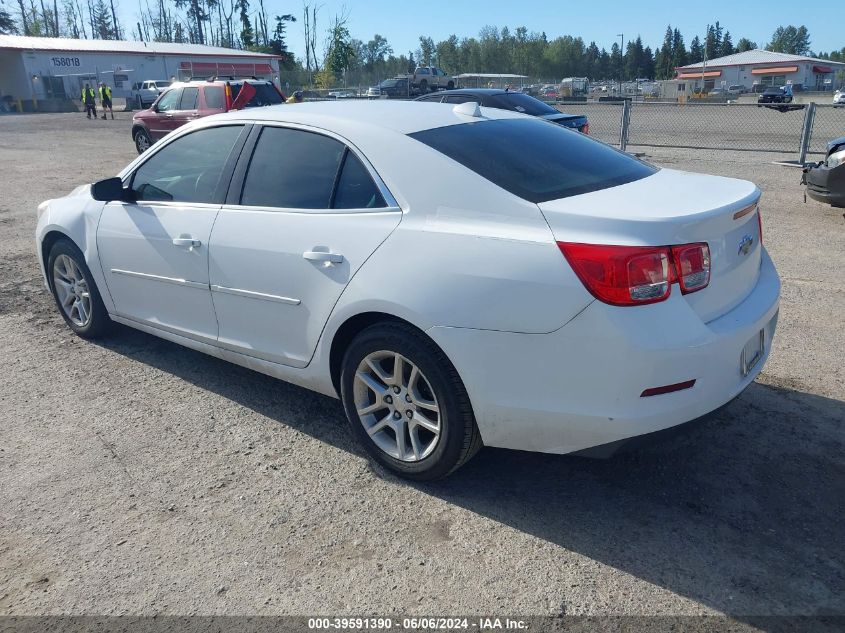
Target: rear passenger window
x,y
214,97
189,99
292,169
355,188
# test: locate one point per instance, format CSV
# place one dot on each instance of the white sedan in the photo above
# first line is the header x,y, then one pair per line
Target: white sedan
x,y
458,276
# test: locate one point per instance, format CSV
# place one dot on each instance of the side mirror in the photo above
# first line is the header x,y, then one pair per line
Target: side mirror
x,y
109,190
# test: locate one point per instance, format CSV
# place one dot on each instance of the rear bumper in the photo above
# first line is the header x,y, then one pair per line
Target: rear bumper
x,y
826,185
580,387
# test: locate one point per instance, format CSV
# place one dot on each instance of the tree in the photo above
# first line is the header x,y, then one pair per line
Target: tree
x,y
198,15
696,51
744,44
7,24
375,51
792,40
427,50
727,45
102,22
277,43
340,51
247,32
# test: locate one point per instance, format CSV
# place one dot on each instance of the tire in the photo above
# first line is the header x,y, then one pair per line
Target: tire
x,y
140,103
424,87
431,456
450,85
94,322
142,141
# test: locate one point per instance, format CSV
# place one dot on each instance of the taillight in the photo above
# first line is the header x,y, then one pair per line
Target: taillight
x,y
621,275
586,128
638,275
228,91
692,266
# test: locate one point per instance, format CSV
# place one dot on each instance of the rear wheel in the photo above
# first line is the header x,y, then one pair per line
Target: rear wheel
x,y
450,85
74,290
424,86
406,403
142,141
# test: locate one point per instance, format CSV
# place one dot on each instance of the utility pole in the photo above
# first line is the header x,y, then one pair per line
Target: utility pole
x,y
621,60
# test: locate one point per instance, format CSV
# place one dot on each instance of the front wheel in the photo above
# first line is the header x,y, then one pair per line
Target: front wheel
x,y
406,403
142,141
450,85
424,86
75,292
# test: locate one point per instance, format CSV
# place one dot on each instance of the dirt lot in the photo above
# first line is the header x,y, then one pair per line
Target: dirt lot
x,y
139,477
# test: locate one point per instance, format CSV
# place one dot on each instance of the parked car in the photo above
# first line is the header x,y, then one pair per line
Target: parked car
x,y
548,294
825,180
839,98
737,89
144,93
514,101
342,94
396,87
775,95
426,78
187,101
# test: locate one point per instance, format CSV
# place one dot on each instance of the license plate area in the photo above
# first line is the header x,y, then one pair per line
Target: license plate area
x,y
752,352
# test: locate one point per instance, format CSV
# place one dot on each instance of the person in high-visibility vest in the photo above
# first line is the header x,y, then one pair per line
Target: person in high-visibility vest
x,y
105,100
89,101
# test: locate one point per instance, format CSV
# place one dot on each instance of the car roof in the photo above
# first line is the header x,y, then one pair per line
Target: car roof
x,y
348,118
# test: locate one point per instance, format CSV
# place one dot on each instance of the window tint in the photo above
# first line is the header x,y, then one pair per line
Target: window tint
x,y
292,169
214,97
188,169
433,98
169,100
461,99
520,102
189,99
257,94
355,188
534,159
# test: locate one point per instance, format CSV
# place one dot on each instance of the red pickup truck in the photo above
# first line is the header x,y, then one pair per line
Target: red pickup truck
x,y
190,100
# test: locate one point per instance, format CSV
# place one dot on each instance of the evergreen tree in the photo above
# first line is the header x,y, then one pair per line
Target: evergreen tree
x,y
744,44
696,51
727,45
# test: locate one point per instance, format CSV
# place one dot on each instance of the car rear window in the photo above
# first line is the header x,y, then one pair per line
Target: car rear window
x,y
265,94
533,159
520,103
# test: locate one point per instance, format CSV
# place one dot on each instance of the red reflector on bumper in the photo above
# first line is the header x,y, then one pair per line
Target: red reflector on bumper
x,y
656,391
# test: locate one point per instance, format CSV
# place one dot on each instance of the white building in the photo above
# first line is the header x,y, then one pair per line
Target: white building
x,y
55,69
761,69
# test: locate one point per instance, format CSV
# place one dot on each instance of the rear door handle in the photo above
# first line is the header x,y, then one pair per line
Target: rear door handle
x,y
190,242
321,256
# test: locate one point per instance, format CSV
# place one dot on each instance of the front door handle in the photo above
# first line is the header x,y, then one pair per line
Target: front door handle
x,y
190,242
321,256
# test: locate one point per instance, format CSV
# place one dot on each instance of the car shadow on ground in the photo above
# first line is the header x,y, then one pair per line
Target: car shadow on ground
x,y
742,513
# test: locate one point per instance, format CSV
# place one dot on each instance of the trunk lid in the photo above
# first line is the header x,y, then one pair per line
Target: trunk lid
x,y
671,208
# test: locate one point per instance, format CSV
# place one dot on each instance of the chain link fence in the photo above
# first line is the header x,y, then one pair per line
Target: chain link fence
x,y
714,126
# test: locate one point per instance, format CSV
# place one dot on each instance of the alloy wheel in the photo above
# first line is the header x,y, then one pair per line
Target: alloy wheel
x,y
397,406
72,290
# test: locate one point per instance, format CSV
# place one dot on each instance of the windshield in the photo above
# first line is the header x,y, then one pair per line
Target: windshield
x,y
534,159
389,83
520,102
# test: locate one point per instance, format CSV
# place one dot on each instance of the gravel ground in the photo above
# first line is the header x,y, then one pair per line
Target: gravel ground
x,y
139,477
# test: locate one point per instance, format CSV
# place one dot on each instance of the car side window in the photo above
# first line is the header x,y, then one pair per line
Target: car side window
x,y
292,169
215,99
169,100
355,187
189,99
187,169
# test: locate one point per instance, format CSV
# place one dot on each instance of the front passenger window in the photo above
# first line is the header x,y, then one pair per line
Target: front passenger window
x,y
187,169
169,100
